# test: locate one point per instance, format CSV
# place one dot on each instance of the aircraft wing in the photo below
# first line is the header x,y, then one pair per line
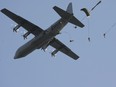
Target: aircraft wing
x,y
23,22
59,45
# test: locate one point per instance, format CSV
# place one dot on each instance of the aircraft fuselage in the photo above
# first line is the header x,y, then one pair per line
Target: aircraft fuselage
x,y
42,40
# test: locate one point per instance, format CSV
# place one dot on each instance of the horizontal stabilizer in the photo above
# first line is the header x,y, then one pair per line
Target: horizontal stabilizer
x,y
76,22
62,13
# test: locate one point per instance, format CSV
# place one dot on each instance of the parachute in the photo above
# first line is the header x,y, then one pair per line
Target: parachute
x,y
88,14
86,11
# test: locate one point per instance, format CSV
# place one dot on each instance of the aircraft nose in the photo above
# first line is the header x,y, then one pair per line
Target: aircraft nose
x,y
18,55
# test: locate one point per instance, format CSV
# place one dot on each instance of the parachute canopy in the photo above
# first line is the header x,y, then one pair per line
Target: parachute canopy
x,y
86,11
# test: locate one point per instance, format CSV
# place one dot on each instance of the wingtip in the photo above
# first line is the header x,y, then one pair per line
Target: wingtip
x,y
2,9
54,7
76,58
83,26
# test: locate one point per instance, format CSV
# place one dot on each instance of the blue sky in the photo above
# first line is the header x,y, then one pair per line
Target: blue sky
x,y
94,68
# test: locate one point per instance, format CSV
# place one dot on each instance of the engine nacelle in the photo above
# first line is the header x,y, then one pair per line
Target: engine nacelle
x,y
26,34
16,28
54,52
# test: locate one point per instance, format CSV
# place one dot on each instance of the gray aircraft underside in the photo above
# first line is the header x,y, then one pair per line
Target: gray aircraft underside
x,y
44,38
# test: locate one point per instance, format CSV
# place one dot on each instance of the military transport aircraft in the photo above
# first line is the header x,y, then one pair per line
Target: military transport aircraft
x,y
43,38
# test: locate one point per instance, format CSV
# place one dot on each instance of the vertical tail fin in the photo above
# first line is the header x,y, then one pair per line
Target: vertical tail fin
x,y
70,8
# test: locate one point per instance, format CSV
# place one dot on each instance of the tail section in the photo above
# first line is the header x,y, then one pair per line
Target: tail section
x,y
68,15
